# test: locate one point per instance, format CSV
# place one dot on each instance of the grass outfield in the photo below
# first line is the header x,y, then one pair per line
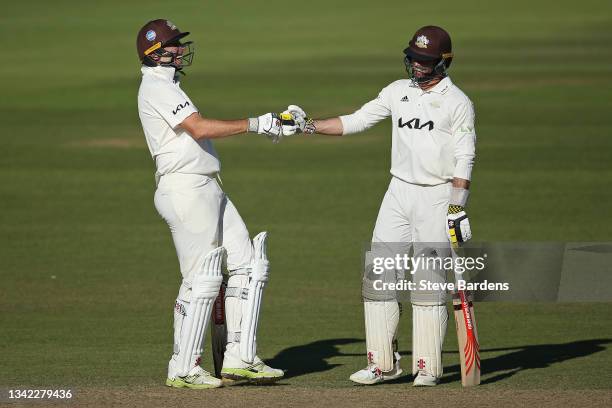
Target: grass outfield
x,y
88,270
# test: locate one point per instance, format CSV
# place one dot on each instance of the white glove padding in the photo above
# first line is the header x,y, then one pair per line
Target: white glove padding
x,y
289,125
298,113
458,224
303,122
268,124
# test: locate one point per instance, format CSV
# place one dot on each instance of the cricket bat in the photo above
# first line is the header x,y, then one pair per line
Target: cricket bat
x,y
219,330
467,335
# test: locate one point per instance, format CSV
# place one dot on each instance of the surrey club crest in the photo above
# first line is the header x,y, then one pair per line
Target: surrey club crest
x,y
421,41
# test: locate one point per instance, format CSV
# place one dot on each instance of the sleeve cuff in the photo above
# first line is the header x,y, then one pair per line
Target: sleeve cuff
x,y
181,116
350,124
459,196
463,170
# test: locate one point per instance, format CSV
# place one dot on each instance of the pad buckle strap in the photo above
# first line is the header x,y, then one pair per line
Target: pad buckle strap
x,y
240,293
241,271
233,337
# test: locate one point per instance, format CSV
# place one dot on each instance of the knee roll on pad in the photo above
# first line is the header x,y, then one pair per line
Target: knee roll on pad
x,y
378,278
381,320
428,330
204,290
184,294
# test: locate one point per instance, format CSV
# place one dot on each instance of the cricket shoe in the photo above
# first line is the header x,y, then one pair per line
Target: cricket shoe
x,y
424,379
258,373
373,375
197,378
234,369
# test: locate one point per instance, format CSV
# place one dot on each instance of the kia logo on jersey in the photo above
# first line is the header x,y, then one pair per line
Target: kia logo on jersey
x,y
415,123
180,106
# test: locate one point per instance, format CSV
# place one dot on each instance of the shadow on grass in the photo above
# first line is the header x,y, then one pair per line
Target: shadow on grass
x,y
528,357
309,358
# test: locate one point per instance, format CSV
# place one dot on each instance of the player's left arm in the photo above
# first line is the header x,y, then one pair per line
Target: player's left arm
x,y
464,138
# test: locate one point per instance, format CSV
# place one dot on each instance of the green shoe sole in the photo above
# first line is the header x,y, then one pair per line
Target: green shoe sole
x,y
178,383
239,374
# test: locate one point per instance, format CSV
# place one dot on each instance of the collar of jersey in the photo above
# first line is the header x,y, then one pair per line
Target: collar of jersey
x,y
441,87
168,73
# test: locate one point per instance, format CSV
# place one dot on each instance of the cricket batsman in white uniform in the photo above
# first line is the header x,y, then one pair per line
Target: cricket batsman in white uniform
x,y
207,230
433,150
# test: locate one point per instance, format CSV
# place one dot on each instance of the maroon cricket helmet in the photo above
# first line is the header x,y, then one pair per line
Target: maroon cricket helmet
x,y
430,43
155,35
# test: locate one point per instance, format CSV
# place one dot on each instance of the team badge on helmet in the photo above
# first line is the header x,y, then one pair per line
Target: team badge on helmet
x,y
151,35
421,41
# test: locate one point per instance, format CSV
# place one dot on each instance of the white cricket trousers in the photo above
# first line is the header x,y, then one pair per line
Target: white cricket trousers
x,y
413,213
201,218
416,215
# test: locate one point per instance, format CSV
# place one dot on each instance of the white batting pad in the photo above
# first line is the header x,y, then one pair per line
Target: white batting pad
x,y
180,311
381,319
250,312
428,331
204,290
235,296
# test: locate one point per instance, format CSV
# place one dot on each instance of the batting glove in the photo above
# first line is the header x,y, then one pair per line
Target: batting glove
x,y
303,122
288,124
268,124
458,224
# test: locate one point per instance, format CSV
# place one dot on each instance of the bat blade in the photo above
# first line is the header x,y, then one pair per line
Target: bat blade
x,y
467,336
219,331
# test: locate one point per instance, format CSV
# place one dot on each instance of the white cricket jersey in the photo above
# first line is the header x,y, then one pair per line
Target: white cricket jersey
x,y
433,131
162,106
